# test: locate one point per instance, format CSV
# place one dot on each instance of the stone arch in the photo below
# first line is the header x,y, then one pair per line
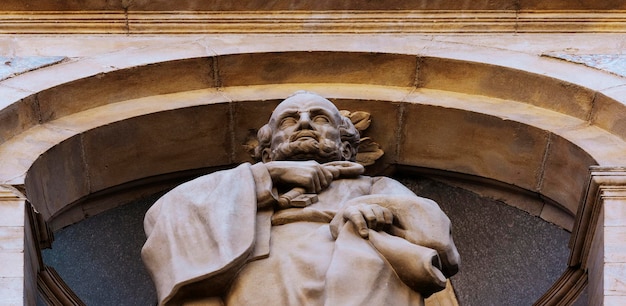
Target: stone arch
x,y
140,114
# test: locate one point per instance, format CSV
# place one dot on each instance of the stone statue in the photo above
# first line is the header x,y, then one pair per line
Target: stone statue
x,y
302,227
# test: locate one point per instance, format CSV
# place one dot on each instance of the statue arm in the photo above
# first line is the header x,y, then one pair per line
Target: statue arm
x,y
201,232
417,220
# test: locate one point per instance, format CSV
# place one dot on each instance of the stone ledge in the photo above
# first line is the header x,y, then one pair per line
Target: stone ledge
x,y
329,22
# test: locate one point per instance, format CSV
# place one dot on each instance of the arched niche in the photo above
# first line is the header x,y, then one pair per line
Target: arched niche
x,y
98,140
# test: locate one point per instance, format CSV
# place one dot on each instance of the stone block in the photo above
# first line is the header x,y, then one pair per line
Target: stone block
x,y
383,130
219,5
474,144
120,85
565,173
18,117
614,247
248,117
11,291
158,143
52,5
11,239
18,153
614,279
12,264
557,215
614,300
58,177
571,5
504,83
609,113
11,212
317,67
615,212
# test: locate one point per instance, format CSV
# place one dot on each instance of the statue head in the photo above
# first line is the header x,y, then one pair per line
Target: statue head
x,y
306,126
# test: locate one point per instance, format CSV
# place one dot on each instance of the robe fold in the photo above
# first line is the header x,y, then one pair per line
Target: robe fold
x,y
208,237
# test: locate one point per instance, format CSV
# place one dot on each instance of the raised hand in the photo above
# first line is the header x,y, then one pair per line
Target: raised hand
x,y
309,175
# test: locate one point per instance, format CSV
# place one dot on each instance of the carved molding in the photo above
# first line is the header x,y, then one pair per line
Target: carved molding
x,y
54,291
566,289
605,182
414,21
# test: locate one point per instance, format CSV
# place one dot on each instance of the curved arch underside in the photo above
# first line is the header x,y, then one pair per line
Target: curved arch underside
x,y
525,129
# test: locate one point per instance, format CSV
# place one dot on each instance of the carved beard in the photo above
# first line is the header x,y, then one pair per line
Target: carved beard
x,y
321,151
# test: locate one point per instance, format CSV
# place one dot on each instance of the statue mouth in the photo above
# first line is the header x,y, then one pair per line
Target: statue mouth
x,y
304,135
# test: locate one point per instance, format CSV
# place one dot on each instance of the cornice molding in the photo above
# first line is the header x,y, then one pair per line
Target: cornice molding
x,y
349,22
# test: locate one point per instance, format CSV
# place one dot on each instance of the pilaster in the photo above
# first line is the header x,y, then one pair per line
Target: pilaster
x,y
18,251
599,235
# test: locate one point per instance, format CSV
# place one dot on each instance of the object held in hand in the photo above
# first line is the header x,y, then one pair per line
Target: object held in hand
x,y
297,197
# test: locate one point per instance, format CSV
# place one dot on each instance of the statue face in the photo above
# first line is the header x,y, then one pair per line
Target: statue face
x,y
305,127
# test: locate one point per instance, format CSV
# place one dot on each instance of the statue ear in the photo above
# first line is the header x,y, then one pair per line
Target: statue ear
x,y
346,150
265,155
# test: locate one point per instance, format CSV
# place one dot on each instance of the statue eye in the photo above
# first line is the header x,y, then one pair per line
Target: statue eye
x,y
287,122
321,119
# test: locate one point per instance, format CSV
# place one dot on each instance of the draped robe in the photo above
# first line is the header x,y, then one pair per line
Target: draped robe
x,y
217,239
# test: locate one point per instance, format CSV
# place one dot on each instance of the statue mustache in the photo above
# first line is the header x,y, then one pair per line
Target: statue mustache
x,y
304,133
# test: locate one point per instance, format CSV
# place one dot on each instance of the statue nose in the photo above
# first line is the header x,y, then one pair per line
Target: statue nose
x,y
305,121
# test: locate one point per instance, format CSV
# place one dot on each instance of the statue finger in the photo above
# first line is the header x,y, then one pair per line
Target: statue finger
x,y
328,175
388,216
315,178
379,213
359,222
369,214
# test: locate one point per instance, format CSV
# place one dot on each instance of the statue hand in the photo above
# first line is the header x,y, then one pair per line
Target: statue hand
x,y
309,175
368,216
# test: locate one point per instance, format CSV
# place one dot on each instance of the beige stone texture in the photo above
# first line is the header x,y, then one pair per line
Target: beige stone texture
x,y
18,117
511,152
608,113
384,128
614,243
320,5
125,84
158,143
11,213
471,78
613,279
557,215
318,67
11,291
615,215
11,238
56,184
12,264
564,169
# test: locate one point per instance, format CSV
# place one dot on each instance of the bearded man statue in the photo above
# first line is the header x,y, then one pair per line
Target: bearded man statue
x,y
247,236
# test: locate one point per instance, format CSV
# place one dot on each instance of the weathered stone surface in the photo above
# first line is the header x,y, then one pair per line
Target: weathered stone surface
x,y
317,67
125,84
475,144
384,128
11,66
473,78
18,117
158,143
188,5
608,113
565,173
59,177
